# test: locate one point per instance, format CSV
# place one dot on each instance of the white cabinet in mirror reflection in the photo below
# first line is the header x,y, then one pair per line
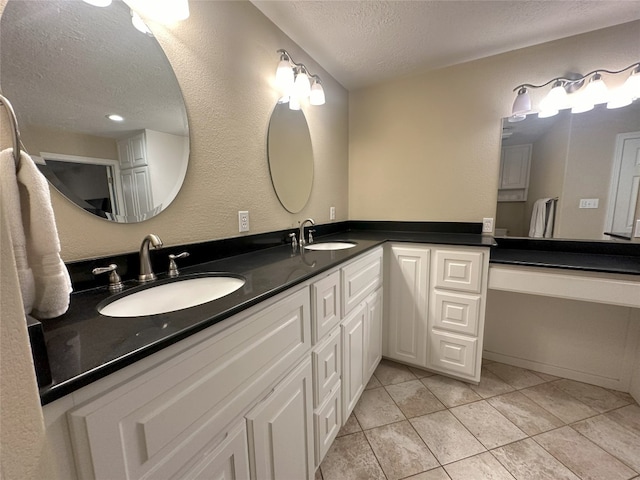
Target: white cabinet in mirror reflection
x,y
515,162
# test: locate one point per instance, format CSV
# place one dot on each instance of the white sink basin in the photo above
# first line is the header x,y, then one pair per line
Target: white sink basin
x,y
169,297
330,246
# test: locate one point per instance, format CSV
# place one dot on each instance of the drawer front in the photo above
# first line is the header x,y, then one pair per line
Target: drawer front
x,y
325,305
153,424
360,278
327,366
458,270
453,353
327,422
456,312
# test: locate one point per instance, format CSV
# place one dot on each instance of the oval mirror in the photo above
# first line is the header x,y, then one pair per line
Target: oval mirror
x,y
290,157
66,67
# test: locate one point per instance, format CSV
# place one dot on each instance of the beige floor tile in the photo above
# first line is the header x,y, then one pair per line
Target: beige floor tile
x,y
414,399
400,450
373,383
418,372
612,437
628,417
486,361
490,385
487,424
624,396
449,391
351,458
526,460
546,377
435,474
515,376
559,403
446,437
376,408
527,415
480,467
389,372
595,397
582,456
351,426
318,475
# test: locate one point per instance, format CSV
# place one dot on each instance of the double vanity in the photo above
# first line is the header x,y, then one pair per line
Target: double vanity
x,y
258,382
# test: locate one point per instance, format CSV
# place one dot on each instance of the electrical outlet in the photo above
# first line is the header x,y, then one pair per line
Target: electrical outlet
x,y
487,225
243,221
589,202
332,213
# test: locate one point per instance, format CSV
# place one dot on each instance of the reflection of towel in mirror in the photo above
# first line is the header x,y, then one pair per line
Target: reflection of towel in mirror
x,y
31,214
542,218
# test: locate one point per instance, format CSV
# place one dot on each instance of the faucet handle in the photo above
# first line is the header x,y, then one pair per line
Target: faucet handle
x,y
311,230
294,242
115,282
173,268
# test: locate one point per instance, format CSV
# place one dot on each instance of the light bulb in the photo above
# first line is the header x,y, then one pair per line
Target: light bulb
x,y
522,103
632,85
98,3
547,113
316,97
284,76
556,99
302,86
294,104
596,91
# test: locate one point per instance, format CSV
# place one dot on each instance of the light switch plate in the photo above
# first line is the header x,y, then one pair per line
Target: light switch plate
x,y
589,202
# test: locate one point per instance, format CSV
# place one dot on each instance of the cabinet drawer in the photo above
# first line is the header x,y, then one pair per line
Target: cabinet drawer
x,y
453,353
325,305
327,365
458,270
151,425
327,422
360,278
456,312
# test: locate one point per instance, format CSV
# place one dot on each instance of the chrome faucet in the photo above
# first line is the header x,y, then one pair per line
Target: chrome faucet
x,y
146,272
301,241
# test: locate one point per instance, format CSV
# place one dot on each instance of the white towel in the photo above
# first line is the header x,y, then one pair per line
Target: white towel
x,y
51,283
538,218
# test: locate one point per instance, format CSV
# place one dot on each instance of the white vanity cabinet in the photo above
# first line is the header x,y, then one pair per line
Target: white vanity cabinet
x,y
132,151
436,305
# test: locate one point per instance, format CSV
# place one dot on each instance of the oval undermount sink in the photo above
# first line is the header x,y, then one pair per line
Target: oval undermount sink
x,y
172,296
330,246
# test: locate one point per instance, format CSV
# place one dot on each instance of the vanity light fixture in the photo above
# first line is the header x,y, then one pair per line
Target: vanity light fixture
x,y
294,81
567,92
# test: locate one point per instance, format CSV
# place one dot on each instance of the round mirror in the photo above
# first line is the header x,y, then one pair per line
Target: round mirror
x,y
68,67
290,157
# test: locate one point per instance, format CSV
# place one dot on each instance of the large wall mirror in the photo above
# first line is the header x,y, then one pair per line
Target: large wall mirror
x,y
290,157
584,166
67,66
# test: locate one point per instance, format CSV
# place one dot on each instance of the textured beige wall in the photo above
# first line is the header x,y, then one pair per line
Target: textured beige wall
x,y
427,146
224,56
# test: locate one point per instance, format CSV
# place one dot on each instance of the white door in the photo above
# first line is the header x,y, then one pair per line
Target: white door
x,y
408,302
280,430
353,345
625,184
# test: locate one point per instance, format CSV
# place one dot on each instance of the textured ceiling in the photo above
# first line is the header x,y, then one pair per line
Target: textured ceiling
x,y
361,43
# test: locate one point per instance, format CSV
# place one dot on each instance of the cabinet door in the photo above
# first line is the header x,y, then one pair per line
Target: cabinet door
x,y
136,191
124,154
281,430
228,461
514,168
138,147
325,304
373,332
327,420
408,302
353,344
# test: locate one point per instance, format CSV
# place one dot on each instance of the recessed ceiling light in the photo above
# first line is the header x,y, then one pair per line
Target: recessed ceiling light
x,y
115,118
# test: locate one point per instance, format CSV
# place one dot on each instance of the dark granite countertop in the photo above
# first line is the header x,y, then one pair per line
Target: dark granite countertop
x,y
84,346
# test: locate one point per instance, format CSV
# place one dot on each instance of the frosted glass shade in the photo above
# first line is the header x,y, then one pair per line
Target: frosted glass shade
x,y
522,103
284,77
316,96
302,86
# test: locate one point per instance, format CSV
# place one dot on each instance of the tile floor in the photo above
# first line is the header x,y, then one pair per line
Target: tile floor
x,y
517,424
